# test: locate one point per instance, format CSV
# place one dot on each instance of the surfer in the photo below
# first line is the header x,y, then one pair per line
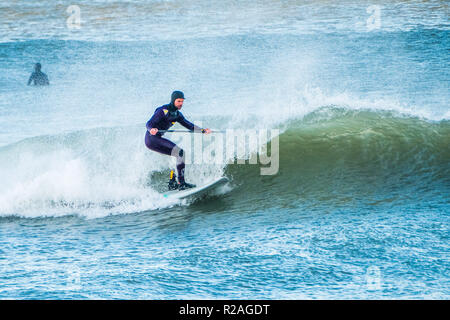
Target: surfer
x,y
38,77
163,118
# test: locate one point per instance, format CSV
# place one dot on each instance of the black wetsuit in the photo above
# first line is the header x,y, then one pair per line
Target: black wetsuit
x,y
39,78
163,118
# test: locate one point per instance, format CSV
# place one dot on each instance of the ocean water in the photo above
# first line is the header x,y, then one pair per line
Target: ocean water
x,y
357,94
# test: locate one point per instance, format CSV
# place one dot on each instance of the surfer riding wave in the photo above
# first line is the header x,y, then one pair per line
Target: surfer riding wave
x,y
163,118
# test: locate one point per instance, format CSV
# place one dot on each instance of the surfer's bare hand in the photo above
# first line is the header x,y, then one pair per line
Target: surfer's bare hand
x,y
153,131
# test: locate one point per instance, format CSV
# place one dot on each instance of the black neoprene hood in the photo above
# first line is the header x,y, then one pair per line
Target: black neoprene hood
x,y
176,95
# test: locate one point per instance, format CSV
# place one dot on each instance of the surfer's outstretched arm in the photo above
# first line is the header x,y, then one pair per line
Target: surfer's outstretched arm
x,y
189,125
185,123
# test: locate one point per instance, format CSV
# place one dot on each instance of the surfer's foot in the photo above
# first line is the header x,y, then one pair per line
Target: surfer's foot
x,y
185,185
173,185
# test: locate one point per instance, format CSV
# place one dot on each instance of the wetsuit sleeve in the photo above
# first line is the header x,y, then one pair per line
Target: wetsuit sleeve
x,y
155,119
187,124
31,79
46,79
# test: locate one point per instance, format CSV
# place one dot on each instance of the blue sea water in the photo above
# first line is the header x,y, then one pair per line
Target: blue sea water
x,y
357,91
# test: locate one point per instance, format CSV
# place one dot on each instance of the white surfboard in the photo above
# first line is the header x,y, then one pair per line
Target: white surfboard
x,y
197,191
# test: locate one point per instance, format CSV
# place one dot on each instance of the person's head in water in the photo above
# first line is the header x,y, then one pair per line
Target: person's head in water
x,y
177,100
37,67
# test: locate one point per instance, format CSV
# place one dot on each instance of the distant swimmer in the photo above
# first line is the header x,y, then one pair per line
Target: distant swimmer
x,y
163,118
38,77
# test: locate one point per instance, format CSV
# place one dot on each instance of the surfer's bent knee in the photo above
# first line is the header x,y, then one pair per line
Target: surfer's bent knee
x,y
177,152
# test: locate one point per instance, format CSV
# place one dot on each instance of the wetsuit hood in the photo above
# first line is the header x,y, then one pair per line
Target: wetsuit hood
x,y
175,95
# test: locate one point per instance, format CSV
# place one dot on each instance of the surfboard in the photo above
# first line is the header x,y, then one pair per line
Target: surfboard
x,y
197,191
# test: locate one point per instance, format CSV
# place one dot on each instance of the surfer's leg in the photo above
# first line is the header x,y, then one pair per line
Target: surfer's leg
x,y
159,144
165,146
178,153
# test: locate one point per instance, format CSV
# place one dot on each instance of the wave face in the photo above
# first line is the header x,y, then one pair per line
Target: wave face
x,y
339,157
